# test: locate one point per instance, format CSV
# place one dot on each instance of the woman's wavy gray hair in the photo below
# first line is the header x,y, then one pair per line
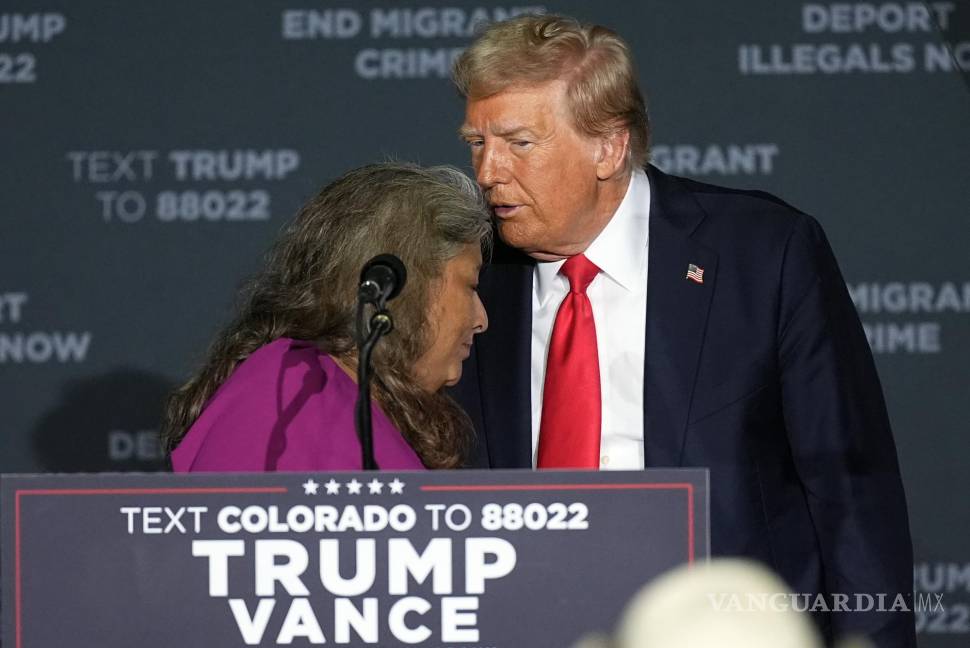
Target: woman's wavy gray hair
x,y
308,287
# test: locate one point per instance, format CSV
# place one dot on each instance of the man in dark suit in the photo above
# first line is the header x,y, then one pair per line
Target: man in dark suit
x,y
642,320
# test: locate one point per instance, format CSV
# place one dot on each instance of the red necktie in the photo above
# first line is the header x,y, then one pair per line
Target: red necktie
x,y
569,431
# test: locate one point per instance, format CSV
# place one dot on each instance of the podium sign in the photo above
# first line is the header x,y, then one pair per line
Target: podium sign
x,y
499,559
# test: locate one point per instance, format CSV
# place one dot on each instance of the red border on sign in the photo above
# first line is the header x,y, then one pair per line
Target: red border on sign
x,y
590,487
18,630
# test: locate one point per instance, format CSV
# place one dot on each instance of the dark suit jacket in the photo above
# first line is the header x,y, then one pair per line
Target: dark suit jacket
x,y
761,374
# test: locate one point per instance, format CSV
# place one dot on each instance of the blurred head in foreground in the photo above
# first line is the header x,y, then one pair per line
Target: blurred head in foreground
x,y
713,605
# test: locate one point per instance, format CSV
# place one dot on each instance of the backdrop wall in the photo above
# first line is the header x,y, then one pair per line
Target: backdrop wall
x,y
149,153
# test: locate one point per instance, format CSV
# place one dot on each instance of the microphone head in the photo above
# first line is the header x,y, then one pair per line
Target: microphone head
x,y
386,269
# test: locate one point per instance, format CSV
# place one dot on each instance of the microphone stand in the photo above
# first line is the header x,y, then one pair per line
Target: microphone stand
x,y
380,324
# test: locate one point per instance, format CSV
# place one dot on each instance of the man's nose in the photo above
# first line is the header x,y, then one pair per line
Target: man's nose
x,y
491,167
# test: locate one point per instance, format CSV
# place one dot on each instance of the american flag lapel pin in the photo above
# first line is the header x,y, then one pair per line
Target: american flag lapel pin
x,y
695,273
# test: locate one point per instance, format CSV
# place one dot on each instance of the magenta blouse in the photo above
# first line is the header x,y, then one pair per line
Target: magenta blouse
x,y
287,407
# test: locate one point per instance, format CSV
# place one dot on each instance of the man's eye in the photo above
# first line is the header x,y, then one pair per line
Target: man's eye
x,y
475,143
522,143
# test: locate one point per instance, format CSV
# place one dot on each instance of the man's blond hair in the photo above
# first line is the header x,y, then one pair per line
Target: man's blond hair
x,y
595,63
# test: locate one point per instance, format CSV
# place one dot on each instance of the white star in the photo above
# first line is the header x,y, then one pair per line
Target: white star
x,y
375,486
332,486
396,486
353,487
310,487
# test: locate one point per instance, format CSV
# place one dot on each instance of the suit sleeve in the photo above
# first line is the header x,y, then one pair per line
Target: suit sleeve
x,y
841,441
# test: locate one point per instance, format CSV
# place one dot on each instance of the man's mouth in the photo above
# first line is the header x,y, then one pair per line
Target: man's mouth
x,y
504,210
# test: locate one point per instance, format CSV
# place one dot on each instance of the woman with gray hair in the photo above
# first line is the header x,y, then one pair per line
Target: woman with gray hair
x,y
277,390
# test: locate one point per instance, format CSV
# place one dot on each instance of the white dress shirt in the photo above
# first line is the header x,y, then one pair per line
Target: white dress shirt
x,y
618,296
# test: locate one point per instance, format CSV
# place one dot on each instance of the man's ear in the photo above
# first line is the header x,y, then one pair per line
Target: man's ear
x,y
612,154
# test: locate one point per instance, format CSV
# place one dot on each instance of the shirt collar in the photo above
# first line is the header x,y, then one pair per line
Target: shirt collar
x,y
620,250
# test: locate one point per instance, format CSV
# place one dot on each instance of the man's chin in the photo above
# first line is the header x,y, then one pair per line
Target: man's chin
x,y
527,243
512,234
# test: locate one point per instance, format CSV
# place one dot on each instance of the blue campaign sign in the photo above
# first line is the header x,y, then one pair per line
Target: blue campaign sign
x,y
464,558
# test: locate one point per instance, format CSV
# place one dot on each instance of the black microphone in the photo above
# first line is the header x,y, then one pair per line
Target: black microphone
x,y
382,279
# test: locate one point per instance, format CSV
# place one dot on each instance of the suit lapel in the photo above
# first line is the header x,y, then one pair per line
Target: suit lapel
x,y
504,355
677,312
